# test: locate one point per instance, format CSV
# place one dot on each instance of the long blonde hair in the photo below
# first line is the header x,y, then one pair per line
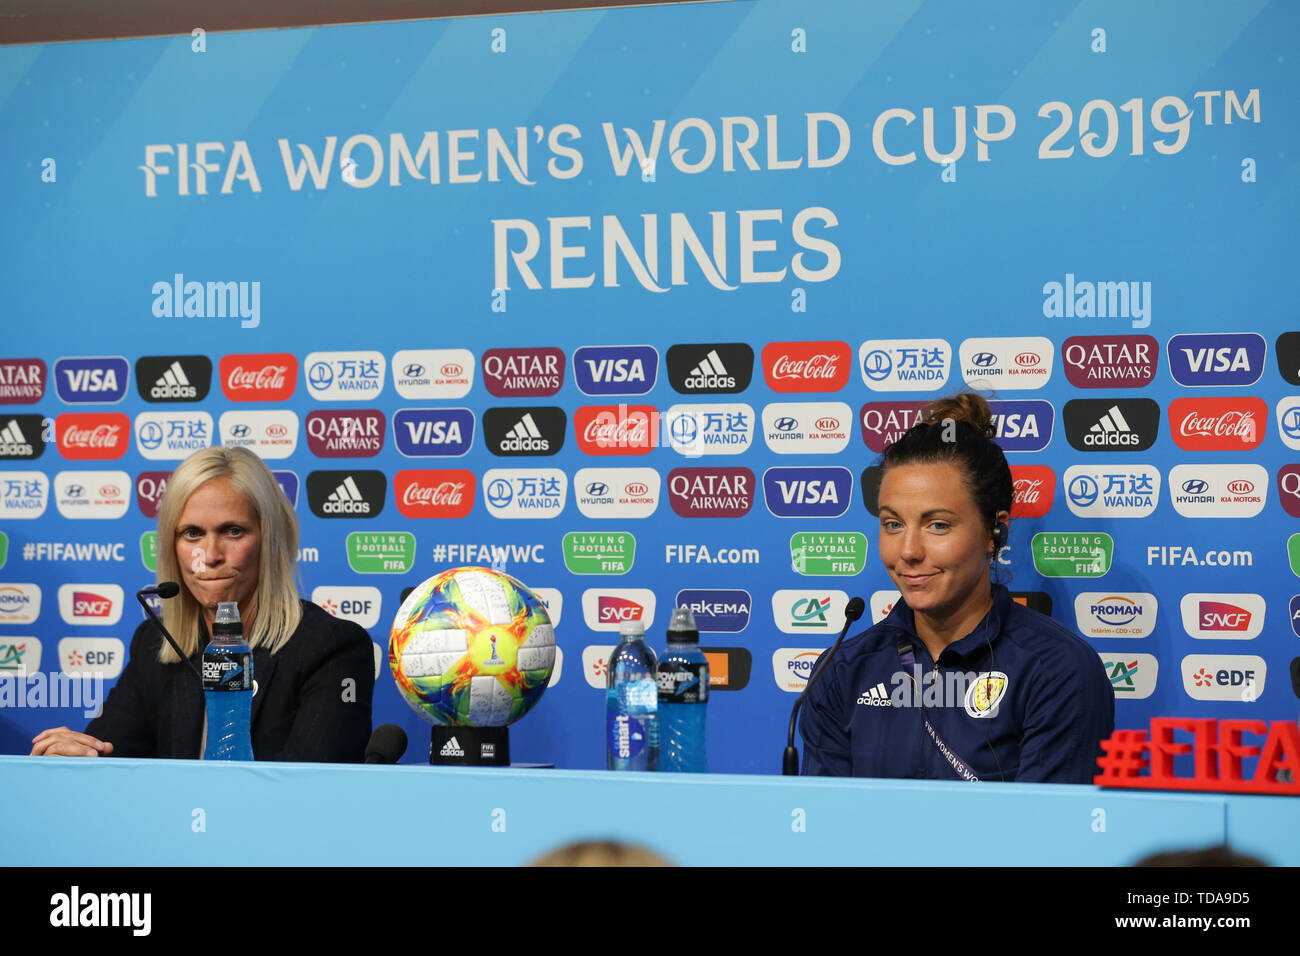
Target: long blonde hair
x,y
278,610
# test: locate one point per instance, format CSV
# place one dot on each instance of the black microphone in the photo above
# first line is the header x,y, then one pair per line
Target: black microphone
x,y
165,590
1295,675
790,759
387,744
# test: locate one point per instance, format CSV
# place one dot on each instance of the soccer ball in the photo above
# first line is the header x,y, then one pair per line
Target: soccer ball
x,y
472,647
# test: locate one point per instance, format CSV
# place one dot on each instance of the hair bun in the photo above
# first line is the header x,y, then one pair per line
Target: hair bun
x,y
966,407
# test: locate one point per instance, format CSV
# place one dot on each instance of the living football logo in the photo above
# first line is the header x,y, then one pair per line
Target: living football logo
x,y
173,378
615,369
712,369
516,431
1105,424
346,494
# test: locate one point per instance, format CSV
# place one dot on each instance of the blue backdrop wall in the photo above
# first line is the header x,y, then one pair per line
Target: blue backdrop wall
x,y
656,285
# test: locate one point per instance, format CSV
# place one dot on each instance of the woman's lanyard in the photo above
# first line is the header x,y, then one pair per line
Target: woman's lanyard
x,y
907,657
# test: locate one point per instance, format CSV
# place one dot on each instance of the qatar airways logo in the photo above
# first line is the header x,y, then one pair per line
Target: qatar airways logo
x,y
523,372
1223,617
1035,489
883,423
1218,424
357,433
270,377
443,493
711,492
1110,361
807,366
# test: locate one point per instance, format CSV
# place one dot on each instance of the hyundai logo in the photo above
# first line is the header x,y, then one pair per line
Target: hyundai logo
x,y
239,431
1196,486
414,370
984,359
598,488
76,491
785,424
876,365
499,493
1083,491
320,375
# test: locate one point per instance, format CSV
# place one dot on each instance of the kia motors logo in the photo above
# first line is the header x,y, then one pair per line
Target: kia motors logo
x,y
89,435
1029,359
346,494
524,430
433,432
1218,423
270,377
97,379
149,488
807,492
425,374
1104,424
1035,489
1240,486
22,381
1232,359
883,423
711,492
1007,363
615,369
1022,425
1218,491
807,366
617,492
357,433
523,372
91,494
446,493
173,378
807,428
616,429
1110,361
722,368
269,434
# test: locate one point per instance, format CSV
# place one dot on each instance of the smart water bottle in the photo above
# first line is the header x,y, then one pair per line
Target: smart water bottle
x,y
683,697
631,703
228,687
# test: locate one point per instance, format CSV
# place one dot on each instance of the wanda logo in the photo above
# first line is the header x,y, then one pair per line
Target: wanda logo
x,y
1035,487
82,436
807,366
259,378
447,493
616,429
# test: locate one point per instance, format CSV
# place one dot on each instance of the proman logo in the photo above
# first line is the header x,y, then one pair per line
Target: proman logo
x,y
1115,613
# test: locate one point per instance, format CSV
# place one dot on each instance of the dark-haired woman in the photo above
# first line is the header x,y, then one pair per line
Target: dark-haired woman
x,y
959,682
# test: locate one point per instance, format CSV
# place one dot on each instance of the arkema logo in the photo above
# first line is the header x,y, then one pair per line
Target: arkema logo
x,y
808,492
1223,617
344,376
22,381
615,369
1022,425
807,428
1115,613
423,374
22,437
1112,491
172,435
346,494
269,434
270,377
711,492
357,433
101,379
1007,363
604,609
695,430
1110,361
533,430
1218,491
90,604
718,610
616,492
433,432
92,494
1106,424
523,372
711,369
173,378
1231,359
905,365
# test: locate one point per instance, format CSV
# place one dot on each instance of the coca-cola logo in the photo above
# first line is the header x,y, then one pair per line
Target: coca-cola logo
x,y
1035,488
92,435
444,493
616,429
1223,424
269,377
807,366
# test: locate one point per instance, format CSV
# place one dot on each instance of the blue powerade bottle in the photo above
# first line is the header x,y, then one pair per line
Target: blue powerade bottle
x,y
228,687
683,678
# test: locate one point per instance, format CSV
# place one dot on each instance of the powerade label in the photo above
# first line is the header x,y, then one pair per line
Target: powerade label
x,y
227,670
683,682
627,737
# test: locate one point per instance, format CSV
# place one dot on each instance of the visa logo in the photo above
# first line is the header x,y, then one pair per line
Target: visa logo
x,y
615,369
91,379
424,432
808,492
1217,360
80,380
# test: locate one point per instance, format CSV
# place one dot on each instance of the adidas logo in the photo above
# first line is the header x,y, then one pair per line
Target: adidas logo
x,y
876,697
451,749
346,499
710,373
173,384
1111,429
525,436
13,442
